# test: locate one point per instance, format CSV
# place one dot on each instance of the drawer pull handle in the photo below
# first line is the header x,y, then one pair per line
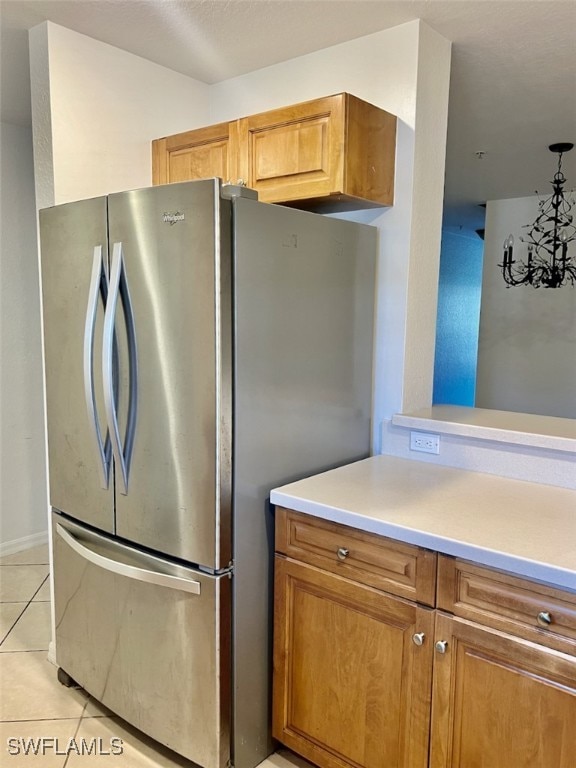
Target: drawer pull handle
x,y
342,553
418,638
544,618
441,646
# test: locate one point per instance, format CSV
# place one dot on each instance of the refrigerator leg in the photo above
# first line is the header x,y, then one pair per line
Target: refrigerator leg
x,y
65,679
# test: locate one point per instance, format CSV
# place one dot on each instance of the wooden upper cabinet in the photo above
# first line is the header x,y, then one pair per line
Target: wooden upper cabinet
x,y
295,153
330,154
199,154
335,152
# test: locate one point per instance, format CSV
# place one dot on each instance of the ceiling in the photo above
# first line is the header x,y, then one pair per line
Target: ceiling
x,y
513,83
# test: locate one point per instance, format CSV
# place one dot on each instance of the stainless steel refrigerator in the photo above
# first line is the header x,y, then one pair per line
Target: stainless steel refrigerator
x,y
200,349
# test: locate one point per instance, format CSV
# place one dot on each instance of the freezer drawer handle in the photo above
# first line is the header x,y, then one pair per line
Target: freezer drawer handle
x,y
119,287
130,571
98,287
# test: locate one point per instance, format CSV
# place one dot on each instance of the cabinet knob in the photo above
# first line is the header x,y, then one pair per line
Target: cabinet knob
x,y
441,646
418,638
342,553
544,618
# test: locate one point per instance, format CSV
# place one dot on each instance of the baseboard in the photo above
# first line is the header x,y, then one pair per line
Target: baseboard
x,y
26,542
52,653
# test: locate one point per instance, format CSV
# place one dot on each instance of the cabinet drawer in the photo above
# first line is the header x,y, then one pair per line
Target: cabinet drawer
x,y
521,607
400,569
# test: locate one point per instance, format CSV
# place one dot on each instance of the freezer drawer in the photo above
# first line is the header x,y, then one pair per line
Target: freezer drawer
x,y
146,637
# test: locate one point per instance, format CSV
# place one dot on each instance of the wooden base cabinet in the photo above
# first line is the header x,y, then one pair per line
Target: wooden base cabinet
x,y
500,701
352,688
330,154
363,674
352,658
504,691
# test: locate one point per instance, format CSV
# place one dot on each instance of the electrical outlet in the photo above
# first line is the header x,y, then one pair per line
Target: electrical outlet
x,y
425,442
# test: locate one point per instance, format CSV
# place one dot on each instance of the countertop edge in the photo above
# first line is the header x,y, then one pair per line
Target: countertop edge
x,y
518,566
482,424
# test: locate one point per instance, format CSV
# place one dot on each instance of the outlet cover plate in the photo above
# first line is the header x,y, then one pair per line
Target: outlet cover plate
x,y
426,442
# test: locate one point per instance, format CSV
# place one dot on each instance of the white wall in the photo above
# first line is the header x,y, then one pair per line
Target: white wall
x,y
527,342
96,110
404,70
23,498
495,457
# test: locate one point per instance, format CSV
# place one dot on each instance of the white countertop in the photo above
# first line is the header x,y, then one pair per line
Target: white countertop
x,y
524,528
547,432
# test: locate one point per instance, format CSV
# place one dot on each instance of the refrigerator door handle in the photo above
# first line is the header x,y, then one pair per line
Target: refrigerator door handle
x,y
130,571
98,287
119,288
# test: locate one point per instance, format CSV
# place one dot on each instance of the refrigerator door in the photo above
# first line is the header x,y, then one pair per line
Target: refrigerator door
x,y
74,247
147,638
169,253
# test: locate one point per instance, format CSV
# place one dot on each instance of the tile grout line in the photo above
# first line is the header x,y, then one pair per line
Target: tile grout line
x,y
24,610
38,590
15,621
20,565
29,602
53,720
75,734
40,720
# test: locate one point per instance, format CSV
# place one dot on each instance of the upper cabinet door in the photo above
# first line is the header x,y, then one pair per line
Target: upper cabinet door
x,y
334,153
200,154
173,317
74,248
295,152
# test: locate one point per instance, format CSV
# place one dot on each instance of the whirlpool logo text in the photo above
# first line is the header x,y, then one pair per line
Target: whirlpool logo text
x,y
172,218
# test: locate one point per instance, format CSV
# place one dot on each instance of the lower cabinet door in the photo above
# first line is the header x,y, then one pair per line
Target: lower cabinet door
x,y
500,701
351,685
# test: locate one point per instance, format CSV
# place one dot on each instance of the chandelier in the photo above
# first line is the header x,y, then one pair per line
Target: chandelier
x,y
548,262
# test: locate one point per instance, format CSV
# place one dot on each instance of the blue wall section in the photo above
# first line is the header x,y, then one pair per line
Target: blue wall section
x,y
459,289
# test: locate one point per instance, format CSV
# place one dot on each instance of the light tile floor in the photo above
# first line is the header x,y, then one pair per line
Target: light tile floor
x,y
37,712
